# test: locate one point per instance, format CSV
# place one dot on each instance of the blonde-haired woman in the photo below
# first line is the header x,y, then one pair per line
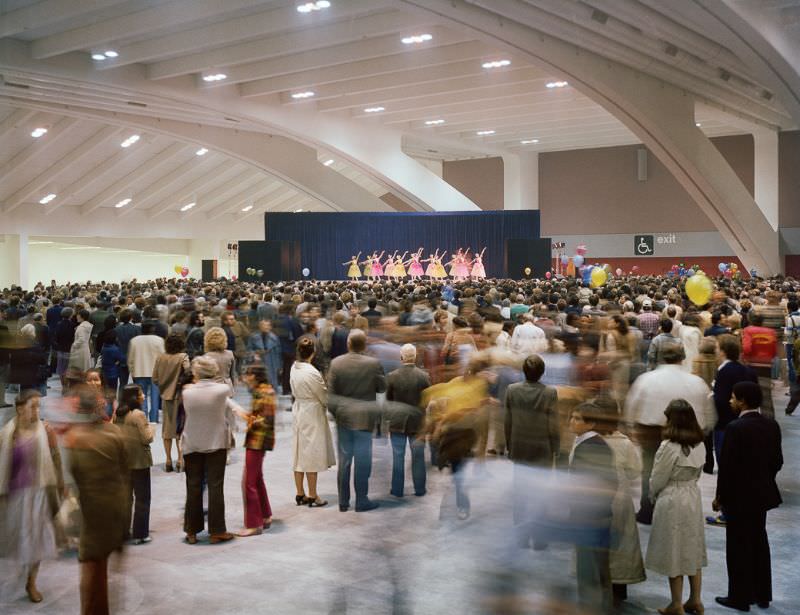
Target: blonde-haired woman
x,y
215,344
30,482
313,443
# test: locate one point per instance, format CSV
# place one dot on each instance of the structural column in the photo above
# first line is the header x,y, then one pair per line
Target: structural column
x,y
14,261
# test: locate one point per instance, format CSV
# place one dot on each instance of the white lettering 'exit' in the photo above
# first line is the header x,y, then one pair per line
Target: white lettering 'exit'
x,y
669,238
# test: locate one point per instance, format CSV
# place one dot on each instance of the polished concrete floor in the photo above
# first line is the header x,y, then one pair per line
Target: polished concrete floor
x,y
409,556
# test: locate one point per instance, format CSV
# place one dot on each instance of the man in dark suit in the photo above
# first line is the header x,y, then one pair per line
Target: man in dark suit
x,y
404,388
746,489
353,382
592,461
372,315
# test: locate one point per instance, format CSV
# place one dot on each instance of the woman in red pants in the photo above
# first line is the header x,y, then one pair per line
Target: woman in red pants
x,y
259,439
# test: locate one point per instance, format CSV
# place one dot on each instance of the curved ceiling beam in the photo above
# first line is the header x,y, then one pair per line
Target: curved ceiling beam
x,y
660,115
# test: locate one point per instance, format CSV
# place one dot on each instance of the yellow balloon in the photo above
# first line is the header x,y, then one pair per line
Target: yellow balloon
x,y
598,277
177,268
699,289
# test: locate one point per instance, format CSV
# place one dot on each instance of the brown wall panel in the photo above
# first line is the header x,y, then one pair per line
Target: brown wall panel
x,y
480,180
593,191
789,179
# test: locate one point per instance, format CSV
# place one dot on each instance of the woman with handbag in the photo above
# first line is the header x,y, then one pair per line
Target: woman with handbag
x,y
259,439
31,482
170,373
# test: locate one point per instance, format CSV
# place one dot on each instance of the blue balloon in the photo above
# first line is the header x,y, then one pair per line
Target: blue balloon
x,y
723,267
564,259
578,260
690,273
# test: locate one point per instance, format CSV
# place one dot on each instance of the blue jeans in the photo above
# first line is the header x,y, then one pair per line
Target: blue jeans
x,y
399,464
354,444
462,499
790,360
152,397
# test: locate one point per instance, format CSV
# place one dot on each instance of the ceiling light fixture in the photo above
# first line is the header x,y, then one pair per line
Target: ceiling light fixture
x,y
698,124
299,95
122,203
47,199
556,84
40,243
38,132
529,141
434,122
99,56
328,162
188,206
374,109
201,152
110,53
496,64
248,208
310,7
297,211
483,133
130,141
214,77
416,39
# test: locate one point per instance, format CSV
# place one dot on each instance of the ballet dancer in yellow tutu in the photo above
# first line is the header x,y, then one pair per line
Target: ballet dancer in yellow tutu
x,y
353,272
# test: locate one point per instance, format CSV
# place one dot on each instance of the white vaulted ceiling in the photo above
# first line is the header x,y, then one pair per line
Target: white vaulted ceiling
x,y
352,57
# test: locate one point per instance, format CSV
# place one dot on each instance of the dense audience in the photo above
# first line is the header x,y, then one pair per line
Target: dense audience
x,y
613,385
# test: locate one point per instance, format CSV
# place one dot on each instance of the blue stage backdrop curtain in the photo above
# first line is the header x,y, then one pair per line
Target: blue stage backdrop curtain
x,y
329,239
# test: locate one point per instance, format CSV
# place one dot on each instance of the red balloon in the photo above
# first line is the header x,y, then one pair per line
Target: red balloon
x,y
547,275
184,272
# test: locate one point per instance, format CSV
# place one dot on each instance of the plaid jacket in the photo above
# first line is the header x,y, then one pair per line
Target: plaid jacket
x,y
261,422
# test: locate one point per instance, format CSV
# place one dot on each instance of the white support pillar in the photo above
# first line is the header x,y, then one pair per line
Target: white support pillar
x,y
512,182
529,181
14,261
766,174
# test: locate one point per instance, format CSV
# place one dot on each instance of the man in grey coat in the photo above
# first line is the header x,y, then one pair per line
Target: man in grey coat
x,y
533,439
404,388
354,380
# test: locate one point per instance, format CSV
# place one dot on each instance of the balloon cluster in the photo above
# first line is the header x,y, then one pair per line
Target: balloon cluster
x,y
254,271
181,270
729,270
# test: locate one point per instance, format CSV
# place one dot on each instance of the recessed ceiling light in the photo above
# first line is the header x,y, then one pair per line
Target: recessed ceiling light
x,y
202,151
310,7
248,208
434,122
328,162
483,133
188,206
82,248
130,141
123,203
374,109
110,53
556,84
496,64
298,95
416,39
529,141
39,243
38,132
47,199
215,77
297,211
98,56
698,124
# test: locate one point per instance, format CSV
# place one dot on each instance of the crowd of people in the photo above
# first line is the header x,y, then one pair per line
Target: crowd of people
x,y
612,385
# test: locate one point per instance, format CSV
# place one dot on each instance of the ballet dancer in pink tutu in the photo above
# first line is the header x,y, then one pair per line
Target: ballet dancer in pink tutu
x,y
478,272
430,270
415,269
452,264
462,266
377,268
388,266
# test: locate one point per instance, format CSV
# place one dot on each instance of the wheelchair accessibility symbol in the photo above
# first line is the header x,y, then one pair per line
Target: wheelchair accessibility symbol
x,y
643,245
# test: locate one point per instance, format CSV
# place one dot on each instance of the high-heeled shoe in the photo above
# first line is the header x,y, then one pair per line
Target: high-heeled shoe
x,y
301,500
317,502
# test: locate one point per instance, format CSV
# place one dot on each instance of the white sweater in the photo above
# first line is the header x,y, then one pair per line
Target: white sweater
x,y
142,354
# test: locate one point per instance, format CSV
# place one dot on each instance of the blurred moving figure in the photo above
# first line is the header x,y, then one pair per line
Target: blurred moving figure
x,y
209,420
312,443
98,464
404,386
260,438
673,486
625,557
31,483
532,434
29,367
593,459
354,380
138,435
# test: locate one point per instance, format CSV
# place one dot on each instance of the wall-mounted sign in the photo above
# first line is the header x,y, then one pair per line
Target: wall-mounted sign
x,y
643,245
